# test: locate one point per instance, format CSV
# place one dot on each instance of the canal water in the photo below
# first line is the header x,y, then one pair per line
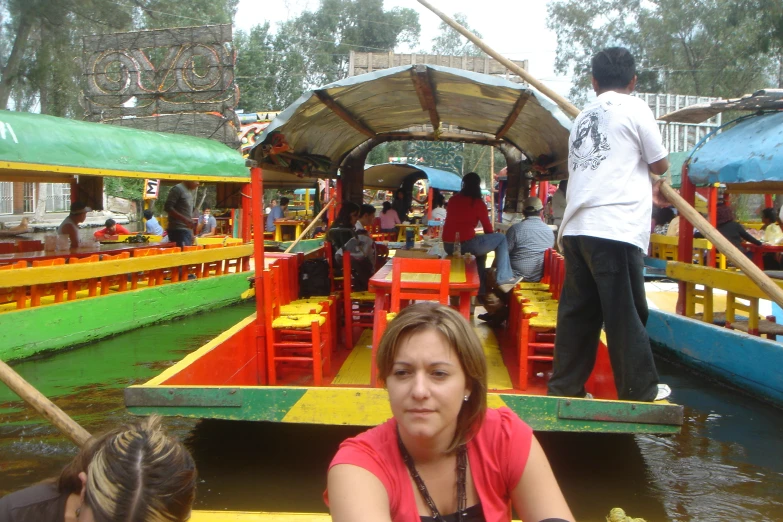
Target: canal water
x,y
727,464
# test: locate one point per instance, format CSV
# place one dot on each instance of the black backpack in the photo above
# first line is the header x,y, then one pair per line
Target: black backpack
x,y
314,278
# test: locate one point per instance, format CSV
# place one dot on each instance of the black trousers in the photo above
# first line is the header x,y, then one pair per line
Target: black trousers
x,y
604,285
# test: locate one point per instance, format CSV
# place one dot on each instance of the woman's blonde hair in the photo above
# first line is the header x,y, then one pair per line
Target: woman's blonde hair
x,y
135,473
461,337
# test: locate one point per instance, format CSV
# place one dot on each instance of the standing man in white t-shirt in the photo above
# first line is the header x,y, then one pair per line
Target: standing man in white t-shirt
x,y
605,231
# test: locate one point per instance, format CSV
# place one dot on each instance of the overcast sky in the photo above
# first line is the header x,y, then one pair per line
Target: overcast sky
x,y
515,28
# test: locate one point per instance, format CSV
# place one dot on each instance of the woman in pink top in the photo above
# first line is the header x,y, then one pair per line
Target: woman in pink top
x,y
466,210
389,218
444,455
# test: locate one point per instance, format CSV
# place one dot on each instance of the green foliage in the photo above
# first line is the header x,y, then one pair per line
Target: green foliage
x,y
127,188
450,43
312,49
680,47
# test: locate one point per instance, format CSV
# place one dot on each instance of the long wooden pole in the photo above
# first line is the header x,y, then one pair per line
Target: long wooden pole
x,y
42,405
310,226
688,212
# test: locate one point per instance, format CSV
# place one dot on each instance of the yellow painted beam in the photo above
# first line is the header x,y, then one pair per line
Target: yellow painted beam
x,y
660,239
735,282
246,516
64,273
20,169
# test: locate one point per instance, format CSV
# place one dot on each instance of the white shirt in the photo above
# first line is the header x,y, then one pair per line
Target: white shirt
x,y
613,141
439,213
558,206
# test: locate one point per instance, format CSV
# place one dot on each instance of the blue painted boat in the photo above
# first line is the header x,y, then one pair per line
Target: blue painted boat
x,y
747,158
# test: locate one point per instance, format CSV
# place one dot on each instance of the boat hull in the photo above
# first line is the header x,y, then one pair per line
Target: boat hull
x,y
747,362
370,406
34,331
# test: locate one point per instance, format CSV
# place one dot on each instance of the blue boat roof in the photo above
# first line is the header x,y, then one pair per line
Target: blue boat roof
x,y
390,176
302,191
751,151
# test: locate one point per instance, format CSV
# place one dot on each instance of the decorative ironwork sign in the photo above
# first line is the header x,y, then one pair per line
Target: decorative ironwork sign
x,y
175,80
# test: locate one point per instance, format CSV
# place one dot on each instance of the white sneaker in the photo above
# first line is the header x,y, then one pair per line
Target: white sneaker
x,y
663,392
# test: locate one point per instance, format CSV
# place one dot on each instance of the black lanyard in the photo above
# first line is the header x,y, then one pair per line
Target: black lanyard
x,y
462,467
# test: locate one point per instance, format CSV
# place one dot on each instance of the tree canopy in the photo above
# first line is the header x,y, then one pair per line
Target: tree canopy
x,y
681,47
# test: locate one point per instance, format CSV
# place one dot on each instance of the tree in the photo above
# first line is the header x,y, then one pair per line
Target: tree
x,y
450,43
680,47
313,49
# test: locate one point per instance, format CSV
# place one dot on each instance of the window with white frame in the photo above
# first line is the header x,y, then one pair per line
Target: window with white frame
x,y
58,197
6,197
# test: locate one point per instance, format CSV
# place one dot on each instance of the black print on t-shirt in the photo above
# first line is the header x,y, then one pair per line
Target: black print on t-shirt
x,y
590,142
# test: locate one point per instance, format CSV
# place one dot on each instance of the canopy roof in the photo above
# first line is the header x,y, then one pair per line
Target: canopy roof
x,y
316,132
765,99
749,152
46,148
390,176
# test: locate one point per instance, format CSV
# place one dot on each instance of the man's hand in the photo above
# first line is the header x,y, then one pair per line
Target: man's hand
x,y
658,198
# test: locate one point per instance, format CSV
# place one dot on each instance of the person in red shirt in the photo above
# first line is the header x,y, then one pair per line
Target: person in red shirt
x,y
110,231
466,210
433,366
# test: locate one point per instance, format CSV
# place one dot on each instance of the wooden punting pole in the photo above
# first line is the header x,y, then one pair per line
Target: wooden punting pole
x,y
310,226
43,405
688,212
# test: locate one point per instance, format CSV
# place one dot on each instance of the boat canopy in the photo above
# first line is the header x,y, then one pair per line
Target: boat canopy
x,y
390,176
414,102
36,147
749,152
301,191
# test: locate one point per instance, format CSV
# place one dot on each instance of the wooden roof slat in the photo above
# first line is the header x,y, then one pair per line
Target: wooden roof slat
x,y
343,114
512,116
423,84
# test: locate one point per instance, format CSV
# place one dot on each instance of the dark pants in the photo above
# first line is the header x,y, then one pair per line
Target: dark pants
x,y
182,237
604,285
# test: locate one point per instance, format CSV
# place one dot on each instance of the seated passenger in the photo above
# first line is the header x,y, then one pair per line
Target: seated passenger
x,y
366,217
207,224
70,225
731,229
389,218
444,454
111,230
466,210
343,237
438,206
136,472
527,242
152,226
275,213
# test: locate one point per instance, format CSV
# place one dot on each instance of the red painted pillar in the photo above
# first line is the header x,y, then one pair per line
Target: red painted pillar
x,y
74,191
533,188
685,241
339,195
712,217
429,204
768,201
543,190
256,180
247,216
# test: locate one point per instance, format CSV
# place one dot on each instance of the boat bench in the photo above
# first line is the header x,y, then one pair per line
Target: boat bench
x,y
742,295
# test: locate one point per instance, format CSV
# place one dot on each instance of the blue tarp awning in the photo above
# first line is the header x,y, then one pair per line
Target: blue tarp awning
x,y
302,191
751,151
390,176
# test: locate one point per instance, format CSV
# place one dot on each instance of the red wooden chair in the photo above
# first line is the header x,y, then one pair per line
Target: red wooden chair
x,y
170,273
18,294
357,306
7,247
213,267
293,338
405,290
120,281
194,270
150,275
90,284
54,289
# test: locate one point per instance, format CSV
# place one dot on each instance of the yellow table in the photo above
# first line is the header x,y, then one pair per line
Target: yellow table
x,y
280,223
402,228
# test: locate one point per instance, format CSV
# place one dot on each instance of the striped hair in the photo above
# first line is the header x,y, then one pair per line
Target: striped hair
x,y
140,474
